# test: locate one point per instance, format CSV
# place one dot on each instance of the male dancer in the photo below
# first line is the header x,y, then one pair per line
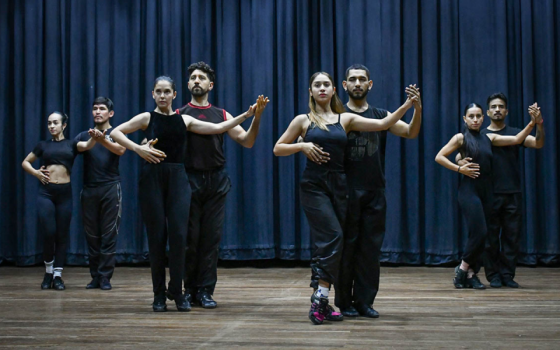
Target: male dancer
x,y
101,196
210,184
358,280
504,228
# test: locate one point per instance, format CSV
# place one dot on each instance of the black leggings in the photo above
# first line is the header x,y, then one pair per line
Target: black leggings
x,y
101,214
206,222
324,198
475,201
363,238
165,196
54,208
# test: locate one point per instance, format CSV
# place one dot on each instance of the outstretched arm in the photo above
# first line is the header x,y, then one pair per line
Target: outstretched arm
x,y
355,122
410,131
86,145
206,128
536,141
500,140
100,137
247,138
470,169
146,151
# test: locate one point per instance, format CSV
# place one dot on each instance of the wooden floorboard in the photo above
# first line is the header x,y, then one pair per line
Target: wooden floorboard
x,y
267,309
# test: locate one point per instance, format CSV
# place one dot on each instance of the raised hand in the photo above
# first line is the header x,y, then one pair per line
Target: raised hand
x,y
471,170
43,175
97,135
260,105
149,153
413,93
535,113
315,152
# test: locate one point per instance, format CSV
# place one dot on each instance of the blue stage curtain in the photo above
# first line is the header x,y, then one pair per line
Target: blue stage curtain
x,y
59,55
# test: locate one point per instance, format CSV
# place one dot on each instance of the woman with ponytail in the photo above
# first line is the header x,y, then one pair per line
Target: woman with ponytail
x,y
323,186
475,190
54,203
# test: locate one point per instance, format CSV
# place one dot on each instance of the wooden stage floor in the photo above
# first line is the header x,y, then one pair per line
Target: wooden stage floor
x,y
267,308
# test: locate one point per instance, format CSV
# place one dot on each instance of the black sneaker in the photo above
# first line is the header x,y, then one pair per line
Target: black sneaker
x,y
159,304
510,283
189,295
349,311
181,301
205,300
47,281
94,283
460,278
105,284
332,314
318,311
474,282
496,282
58,283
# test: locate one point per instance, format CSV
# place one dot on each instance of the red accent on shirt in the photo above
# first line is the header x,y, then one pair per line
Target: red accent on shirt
x,y
200,107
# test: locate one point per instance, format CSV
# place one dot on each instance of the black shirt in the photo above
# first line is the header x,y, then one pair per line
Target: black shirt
x,y
506,176
365,154
101,166
332,141
171,132
57,152
483,156
204,152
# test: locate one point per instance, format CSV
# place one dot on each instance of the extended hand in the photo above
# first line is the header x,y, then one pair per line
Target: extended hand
x,y
535,113
315,153
471,170
43,175
97,135
260,105
149,153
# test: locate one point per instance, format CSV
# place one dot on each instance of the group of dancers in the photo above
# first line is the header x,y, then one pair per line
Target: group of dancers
x,y
342,188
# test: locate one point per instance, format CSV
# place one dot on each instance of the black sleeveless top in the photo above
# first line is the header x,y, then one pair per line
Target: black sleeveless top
x,y
204,152
333,142
171,132
483,156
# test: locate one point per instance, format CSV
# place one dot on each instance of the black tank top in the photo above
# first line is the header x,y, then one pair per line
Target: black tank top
x,y
483,157
204,152
171,132
333,142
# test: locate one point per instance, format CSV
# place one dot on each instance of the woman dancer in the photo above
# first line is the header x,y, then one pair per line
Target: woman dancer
x,y
54,204
164,186
475,190
323,186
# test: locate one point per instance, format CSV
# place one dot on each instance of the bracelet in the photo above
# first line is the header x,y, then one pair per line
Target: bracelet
x,y
459,169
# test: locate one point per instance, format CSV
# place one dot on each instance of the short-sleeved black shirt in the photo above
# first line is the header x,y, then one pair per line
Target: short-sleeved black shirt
x,y
365,154
57,152
506,175
101,166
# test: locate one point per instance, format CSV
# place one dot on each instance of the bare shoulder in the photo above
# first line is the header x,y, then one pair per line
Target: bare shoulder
x,y
459,138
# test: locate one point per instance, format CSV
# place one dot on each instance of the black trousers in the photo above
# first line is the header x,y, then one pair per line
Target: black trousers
x,y
54,208
324,197
165,196
101,215
206,222
358,280
475,200
504,229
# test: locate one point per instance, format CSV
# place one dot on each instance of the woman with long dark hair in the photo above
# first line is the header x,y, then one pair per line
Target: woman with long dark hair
x,y
323,186
165,192
54,203
475,190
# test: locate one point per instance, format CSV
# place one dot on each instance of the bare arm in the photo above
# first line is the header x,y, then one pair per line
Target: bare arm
x,y
500,140
354,122
247,138
86,145
42,174
146,151
285,146
470,169
205,128
536,141
100,137
410,131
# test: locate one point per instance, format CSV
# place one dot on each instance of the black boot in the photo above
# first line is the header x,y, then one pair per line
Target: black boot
x,y
47,281
105,283
460,278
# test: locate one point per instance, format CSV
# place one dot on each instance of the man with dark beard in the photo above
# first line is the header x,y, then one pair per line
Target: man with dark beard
x,y
504,228
358,280
101,197
210,184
